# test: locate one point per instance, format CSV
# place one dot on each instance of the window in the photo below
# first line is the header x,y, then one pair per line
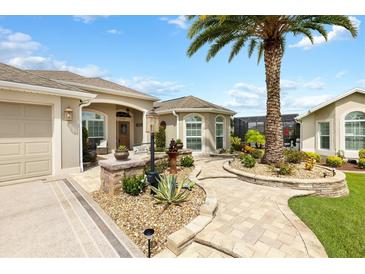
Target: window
x,y
355,130
219,132
261,127
324,135
251,125
194,133
95,125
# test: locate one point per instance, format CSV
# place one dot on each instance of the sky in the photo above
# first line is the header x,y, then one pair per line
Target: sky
x,y
148,53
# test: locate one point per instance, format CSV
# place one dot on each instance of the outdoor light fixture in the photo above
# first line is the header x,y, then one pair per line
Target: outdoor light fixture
x,y
149,234
68,114
152,127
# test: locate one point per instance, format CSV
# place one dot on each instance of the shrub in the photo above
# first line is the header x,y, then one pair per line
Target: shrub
x,y
362,153
313,155
169,191
248,149
187,161
309,163
284,168
122,148
178,141
248,161
235,143
340,153
160,167
293,156
134,185
161,139
334,161
257,153
254,136
361,163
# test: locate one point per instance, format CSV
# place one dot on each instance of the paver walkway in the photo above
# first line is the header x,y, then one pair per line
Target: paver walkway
x,y
251,220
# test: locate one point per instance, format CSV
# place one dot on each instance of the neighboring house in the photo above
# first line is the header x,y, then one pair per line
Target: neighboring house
x,y
202,126
338,124
42,114
291,129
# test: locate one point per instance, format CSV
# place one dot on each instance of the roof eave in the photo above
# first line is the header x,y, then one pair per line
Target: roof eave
x,y
210,110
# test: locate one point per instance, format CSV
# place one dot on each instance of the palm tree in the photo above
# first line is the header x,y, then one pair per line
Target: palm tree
x,y
266,34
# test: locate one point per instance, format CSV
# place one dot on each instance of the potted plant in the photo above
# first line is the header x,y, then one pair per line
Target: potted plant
x,y
121,153
172,152
179,144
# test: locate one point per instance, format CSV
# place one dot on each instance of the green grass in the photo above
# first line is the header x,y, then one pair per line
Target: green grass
x,y
339,223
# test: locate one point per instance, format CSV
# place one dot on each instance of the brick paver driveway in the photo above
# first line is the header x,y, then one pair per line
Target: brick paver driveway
x,y
57,219
251,220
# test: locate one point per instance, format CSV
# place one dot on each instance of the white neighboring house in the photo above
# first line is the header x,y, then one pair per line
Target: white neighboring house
x,y
336,125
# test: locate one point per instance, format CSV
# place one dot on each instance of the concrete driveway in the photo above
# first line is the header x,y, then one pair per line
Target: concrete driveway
x,y
57,219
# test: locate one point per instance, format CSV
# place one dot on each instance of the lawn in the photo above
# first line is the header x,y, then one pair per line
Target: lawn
x,y
339,223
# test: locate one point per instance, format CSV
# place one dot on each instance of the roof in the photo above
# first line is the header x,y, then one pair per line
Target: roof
x,y
90,82
190,103
320,106
15,75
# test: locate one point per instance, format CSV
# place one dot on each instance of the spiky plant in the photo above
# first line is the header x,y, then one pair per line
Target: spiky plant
x,y
266,34
169,191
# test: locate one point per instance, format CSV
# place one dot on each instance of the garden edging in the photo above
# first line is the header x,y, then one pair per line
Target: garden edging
x,y
330,187
179,240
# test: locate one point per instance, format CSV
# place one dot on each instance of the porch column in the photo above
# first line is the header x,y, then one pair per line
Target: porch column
x,y
144,134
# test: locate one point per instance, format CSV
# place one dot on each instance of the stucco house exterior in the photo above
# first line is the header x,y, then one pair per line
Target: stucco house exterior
x,y
336,125
42,114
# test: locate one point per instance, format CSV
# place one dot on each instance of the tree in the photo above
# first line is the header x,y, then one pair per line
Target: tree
x,y
266,34
254,136
161,139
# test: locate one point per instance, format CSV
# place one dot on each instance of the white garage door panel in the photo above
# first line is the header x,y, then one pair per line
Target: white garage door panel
x,y
25,141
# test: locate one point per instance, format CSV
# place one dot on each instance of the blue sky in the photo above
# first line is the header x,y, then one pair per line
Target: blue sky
x,y
148,53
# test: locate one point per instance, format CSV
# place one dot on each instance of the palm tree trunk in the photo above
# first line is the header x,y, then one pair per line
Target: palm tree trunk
x,y
274,148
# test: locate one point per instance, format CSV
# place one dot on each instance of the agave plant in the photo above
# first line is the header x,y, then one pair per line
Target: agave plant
x,y
169,191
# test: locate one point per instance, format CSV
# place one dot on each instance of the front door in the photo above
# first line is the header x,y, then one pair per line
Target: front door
x,y
123,133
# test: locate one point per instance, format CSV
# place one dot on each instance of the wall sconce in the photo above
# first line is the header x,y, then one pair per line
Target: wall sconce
x,y
68,114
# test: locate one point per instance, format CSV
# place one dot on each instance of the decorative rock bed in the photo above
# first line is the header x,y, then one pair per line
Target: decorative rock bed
x,y
112,170
334,186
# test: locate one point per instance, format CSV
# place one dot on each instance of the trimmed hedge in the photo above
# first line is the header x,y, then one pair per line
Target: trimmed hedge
x,y
314,156
334,161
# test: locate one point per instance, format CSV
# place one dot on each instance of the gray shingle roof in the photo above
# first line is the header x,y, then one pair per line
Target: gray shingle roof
x,y
189,102
15,75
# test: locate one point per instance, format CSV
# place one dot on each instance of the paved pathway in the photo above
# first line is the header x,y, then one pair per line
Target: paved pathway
x,y
57,219
251,220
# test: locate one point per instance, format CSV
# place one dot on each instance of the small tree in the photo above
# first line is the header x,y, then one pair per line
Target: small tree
x,y
254,136
161,139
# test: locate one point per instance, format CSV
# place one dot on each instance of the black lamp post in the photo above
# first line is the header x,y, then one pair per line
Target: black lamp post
x,y
149,234
152,127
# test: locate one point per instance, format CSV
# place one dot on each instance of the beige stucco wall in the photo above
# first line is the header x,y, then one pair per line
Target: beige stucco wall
x,y
334,114
170,120
70,134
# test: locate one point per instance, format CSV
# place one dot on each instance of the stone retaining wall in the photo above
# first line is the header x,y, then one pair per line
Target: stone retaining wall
x,y
113,171
335,186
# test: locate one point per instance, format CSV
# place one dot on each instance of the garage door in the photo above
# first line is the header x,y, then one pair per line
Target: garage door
x,y
25,141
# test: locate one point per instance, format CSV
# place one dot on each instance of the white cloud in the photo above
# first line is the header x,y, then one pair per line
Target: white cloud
x,y
20,50
87,19
336,33
316,83
289,84
302,103
246,95
361,81
340,74
152,86
180,21
113,31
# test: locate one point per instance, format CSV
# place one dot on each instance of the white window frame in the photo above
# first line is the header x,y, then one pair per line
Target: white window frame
x,y
105,137
223,133
344,129
202,131
319,135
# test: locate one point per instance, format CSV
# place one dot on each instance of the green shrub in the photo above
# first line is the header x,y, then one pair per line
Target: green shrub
x,y
254,136
169,191
284,168
340,153
313,155
160,167
257,153
187,161
161,139
248,161
178,141
134,185
362,153
293,156
361,163
235,143
334,161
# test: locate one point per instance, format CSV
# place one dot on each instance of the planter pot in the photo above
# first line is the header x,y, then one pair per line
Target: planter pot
x,y
179,146
121,155
172,161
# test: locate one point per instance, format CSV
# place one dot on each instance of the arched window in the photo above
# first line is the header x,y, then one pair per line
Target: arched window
x,y
355,130
194,133
94,122
219,132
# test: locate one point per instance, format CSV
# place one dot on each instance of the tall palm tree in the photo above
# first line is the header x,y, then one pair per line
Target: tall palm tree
x,y
266,34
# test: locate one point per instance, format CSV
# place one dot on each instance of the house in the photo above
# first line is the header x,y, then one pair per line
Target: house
x,y
291,129
202,126
42,114
336,125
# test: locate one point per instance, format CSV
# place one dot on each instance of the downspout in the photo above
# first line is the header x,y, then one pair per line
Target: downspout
x,y
177,124
81,105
